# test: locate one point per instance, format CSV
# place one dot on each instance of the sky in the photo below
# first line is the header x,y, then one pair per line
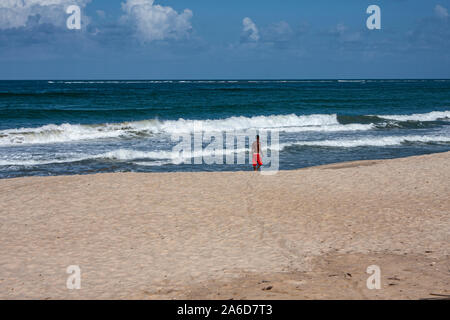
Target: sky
x,y
207,39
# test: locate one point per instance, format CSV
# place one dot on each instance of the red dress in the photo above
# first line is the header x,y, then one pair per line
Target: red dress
x,y
257,159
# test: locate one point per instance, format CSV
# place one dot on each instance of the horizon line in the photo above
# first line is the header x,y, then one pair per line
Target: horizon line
x,y
218,79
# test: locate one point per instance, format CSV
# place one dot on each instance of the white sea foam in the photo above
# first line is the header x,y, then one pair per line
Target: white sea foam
x,y
130,154
158,157
162,157
58,133
285,123
73,132
34,162
119,154
369,141
173,156
243,123
430,116
332,128
156,163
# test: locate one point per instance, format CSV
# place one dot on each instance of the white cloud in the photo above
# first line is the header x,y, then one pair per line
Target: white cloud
x,y
250,29
156,22
441,11
15,13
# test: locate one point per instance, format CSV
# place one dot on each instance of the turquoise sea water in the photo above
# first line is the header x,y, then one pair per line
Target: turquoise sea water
x,y
81,127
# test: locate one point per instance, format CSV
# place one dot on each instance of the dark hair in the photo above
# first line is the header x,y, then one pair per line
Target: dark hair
x,y
257,136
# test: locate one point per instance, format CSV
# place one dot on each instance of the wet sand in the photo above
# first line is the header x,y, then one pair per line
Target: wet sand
x,y
303,234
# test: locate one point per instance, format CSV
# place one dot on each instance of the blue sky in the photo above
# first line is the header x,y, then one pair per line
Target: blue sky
x,y
205,39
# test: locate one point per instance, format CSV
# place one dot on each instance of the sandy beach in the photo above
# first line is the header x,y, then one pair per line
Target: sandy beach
x,y
301,234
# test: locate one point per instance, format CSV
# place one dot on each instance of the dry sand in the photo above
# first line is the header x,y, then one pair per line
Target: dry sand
x,y
307,233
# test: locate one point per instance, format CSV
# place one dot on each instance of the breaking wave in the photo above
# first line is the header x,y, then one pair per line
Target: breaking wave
x,y
430,116
53,133
156,156
372,141
73,132
162,157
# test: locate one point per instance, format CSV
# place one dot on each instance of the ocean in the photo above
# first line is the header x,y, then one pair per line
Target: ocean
x,y
85,127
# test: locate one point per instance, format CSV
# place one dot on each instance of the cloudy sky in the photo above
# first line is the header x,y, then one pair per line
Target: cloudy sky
x,y
234,39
